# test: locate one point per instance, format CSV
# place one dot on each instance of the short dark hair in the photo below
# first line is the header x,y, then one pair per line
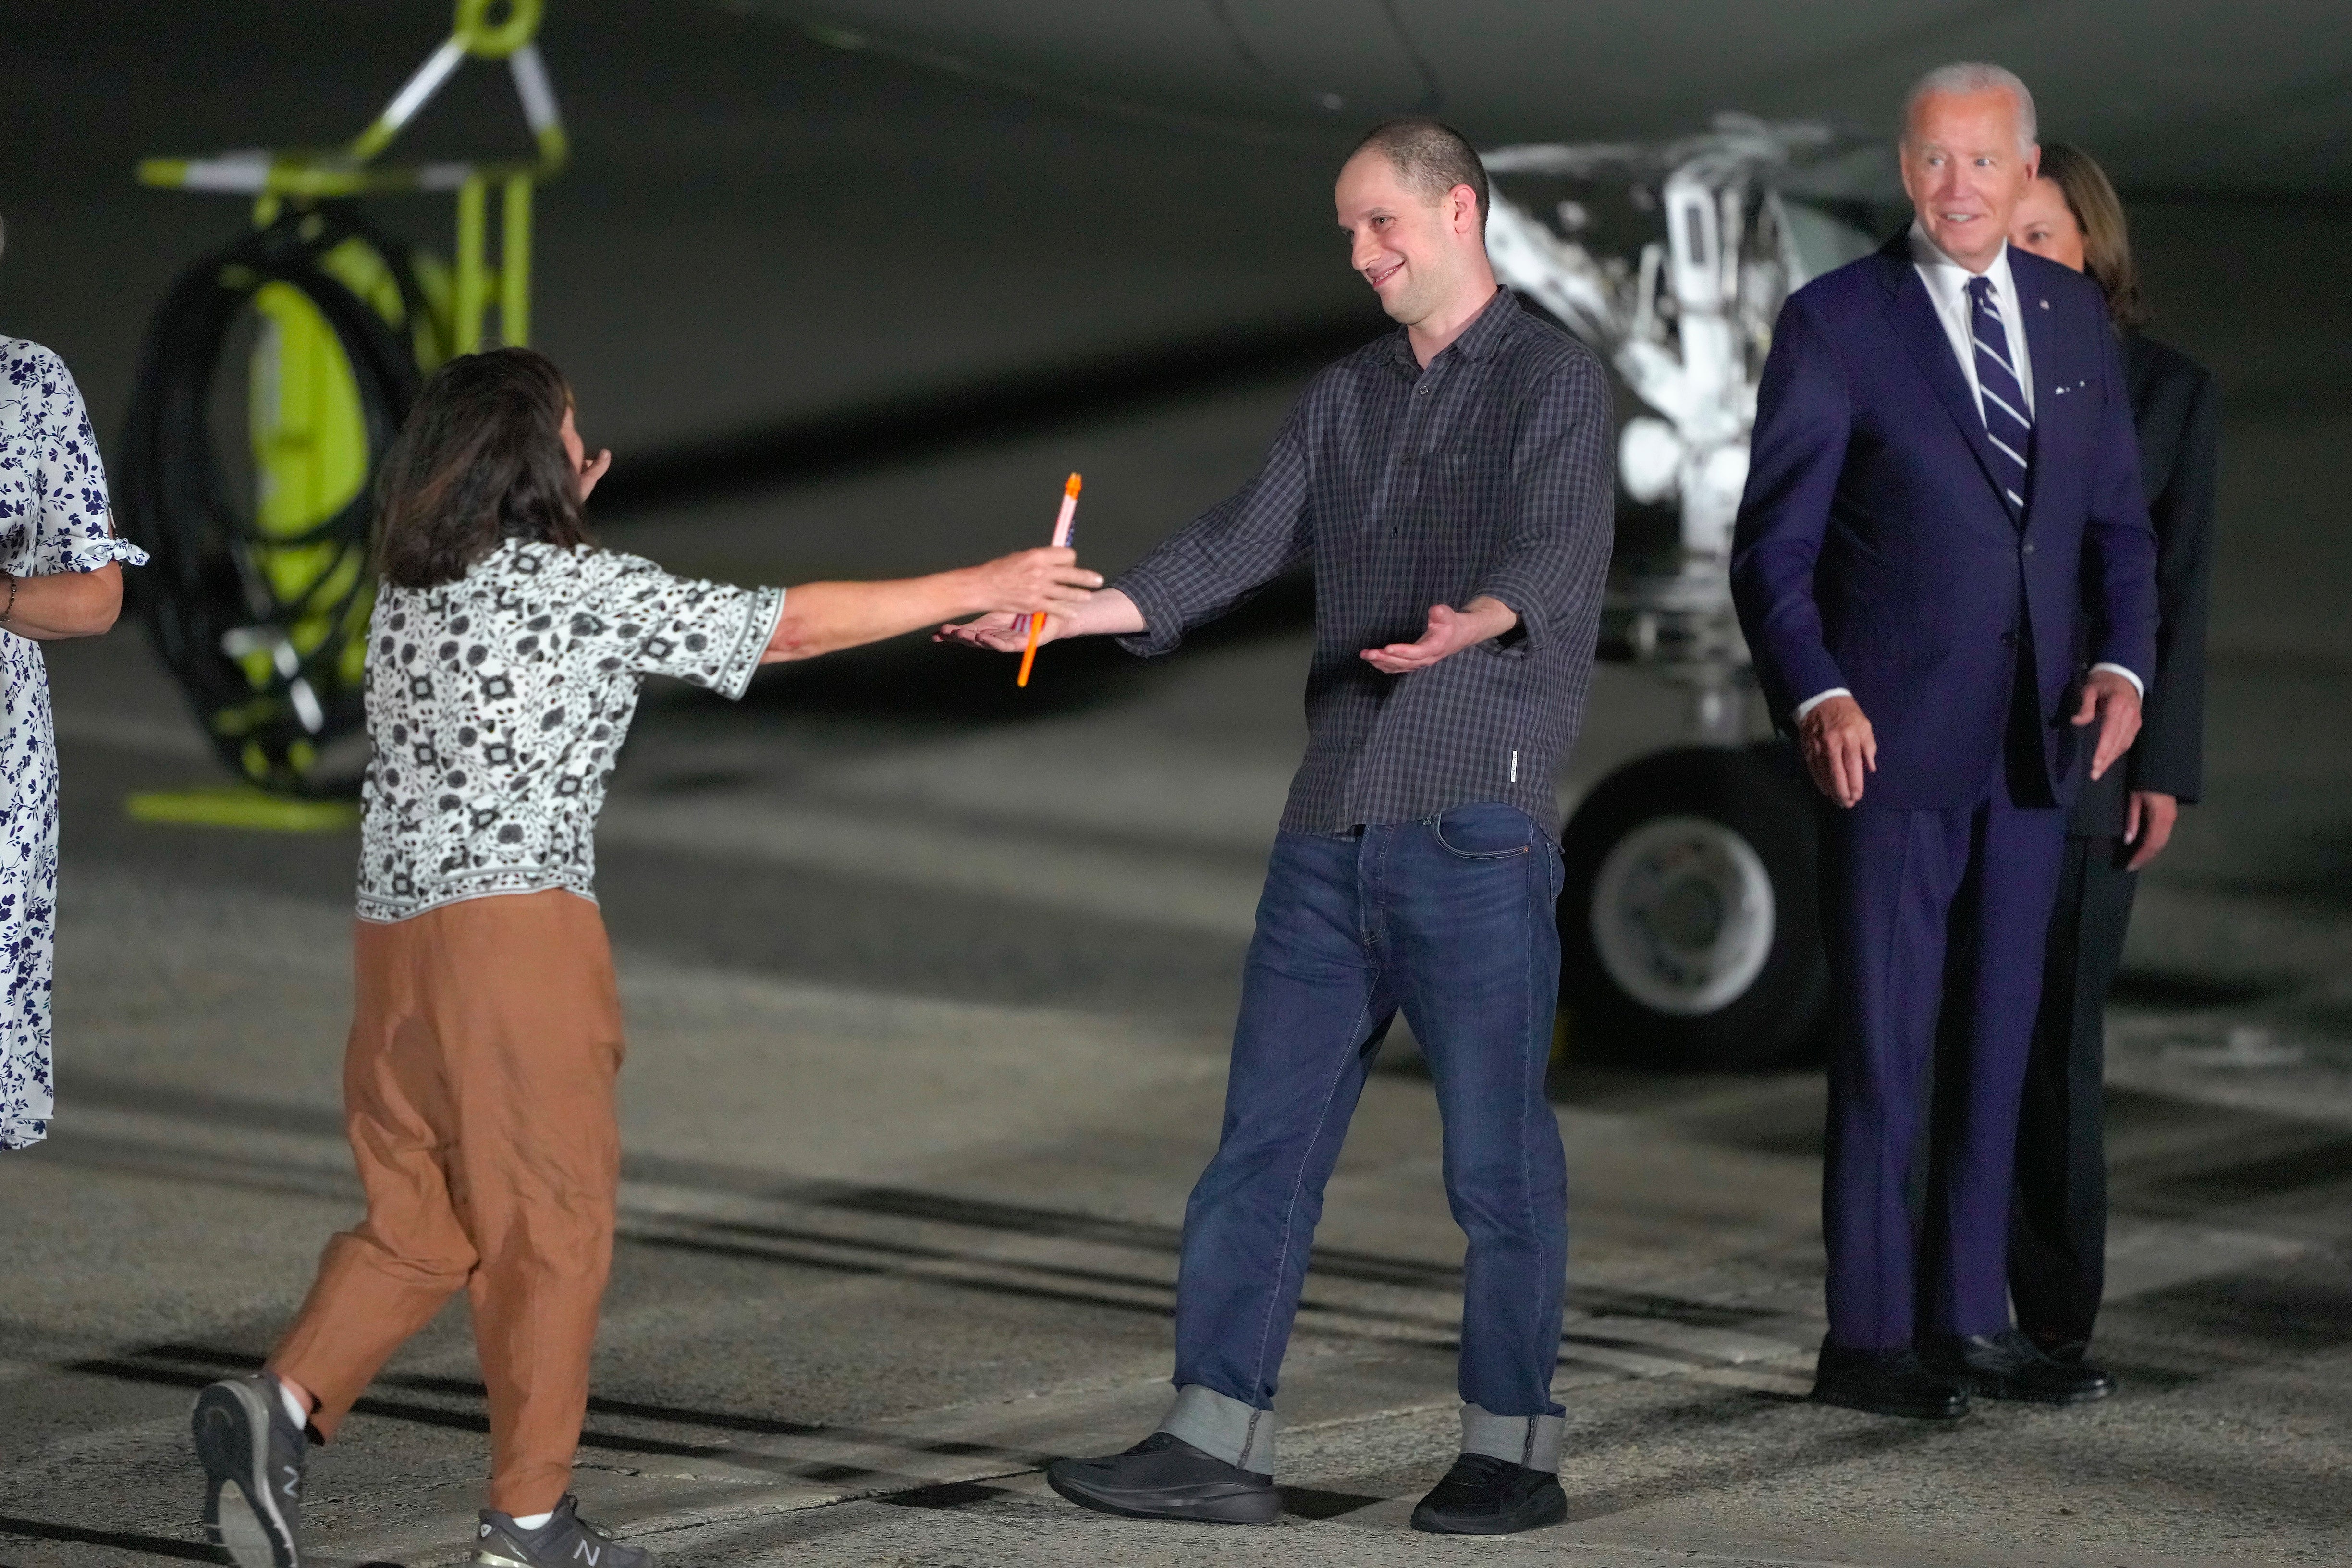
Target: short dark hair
x,y
1430,156
479,460
2107,237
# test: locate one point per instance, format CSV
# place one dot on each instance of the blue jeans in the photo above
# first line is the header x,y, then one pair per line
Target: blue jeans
x,y
1449,919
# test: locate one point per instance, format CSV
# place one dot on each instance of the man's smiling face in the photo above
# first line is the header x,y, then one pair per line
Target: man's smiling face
x,y
1401,243
1966,166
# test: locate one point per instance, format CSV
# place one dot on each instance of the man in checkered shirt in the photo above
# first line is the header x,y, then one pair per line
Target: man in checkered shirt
x,y
1451,485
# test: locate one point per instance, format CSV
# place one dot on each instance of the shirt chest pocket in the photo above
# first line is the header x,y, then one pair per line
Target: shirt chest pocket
x,y
1459,482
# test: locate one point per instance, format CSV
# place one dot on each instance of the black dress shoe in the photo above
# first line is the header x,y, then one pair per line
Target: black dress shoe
x,y
1885,1382
2008,1365
1164,1476
1482,1495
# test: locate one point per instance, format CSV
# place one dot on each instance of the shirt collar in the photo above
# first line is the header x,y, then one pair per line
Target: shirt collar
x,y
1486,329
1948,281
1478,340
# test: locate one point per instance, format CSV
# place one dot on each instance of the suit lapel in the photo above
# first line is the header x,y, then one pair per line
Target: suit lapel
x,y
1913,316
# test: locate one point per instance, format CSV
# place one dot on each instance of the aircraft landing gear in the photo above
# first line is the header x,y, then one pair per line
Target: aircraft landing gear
x,y
1688,934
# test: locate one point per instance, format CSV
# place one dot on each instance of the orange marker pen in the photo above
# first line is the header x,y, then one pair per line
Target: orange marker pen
x,y
1061,542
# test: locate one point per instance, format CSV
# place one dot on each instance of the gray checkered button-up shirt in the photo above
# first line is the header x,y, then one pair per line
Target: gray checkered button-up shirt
x,y
1491,472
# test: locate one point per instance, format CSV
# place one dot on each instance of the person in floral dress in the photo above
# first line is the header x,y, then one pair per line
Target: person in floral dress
x,y
60,576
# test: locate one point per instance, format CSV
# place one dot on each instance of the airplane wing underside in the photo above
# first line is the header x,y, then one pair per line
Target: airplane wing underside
x,y
2182,95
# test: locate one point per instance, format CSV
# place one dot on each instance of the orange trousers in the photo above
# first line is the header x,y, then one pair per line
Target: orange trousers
x,y
479,1092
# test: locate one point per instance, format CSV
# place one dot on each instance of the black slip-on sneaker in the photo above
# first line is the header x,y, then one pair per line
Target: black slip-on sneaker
x,y
1164,1476
566,1541
253,1456
1482,1495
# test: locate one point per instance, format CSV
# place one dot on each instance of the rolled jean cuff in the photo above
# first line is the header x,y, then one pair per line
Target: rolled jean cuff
x,y
1530,1440
1224,1428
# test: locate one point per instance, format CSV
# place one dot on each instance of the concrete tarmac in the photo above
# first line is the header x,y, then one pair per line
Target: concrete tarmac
x,y
928,982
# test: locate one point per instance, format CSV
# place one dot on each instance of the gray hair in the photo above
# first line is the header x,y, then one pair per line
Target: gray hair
x,y
1975,76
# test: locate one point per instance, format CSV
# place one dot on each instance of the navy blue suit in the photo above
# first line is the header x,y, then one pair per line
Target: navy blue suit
x,y
1875,551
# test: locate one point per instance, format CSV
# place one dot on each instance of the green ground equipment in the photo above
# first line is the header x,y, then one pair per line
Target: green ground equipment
x,y
275,374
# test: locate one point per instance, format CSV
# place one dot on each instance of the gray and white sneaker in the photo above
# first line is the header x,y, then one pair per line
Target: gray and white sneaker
x,y
253,1455
567,1540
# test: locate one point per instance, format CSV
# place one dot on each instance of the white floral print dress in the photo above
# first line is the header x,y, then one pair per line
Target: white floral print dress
x,y
53,519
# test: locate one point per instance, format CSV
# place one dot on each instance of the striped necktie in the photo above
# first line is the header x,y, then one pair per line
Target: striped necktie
x,y
2003,400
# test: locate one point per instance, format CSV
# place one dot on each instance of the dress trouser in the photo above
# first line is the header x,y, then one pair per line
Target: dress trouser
x,y
1449,919
2058,1225
1934,923
478,1089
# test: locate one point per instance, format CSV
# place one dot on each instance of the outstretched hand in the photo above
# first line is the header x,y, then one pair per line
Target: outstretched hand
x,y
1448,633
1105,613
1001,632
1044,581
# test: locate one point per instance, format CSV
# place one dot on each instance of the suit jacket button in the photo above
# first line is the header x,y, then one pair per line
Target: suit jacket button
x,y
2029,548
2009,640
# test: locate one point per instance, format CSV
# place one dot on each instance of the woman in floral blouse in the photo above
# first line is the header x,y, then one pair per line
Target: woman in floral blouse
x,y
503,663
60,576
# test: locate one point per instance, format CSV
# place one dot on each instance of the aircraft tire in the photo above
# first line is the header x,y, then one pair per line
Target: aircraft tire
x,y
1689,932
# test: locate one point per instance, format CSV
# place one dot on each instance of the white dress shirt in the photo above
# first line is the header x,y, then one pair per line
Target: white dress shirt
x,y
1947,291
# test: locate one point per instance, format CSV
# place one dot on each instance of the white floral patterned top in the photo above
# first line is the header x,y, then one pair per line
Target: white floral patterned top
x,y
53,519
497,705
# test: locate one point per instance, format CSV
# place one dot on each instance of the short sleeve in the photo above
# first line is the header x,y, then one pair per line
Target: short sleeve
x,y
73,527
647,620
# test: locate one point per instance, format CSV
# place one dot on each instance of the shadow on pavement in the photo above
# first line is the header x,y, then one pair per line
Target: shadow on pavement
x,y
117,1539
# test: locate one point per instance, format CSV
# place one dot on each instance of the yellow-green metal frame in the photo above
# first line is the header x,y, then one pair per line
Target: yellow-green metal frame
x,y
483,29
275,181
